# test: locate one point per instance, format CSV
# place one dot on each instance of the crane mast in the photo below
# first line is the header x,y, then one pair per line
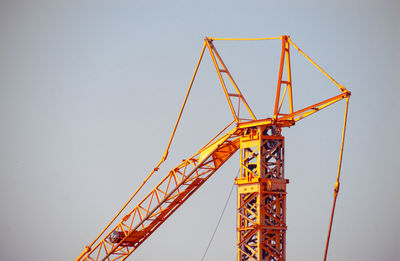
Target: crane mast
x,y
261,198
261,184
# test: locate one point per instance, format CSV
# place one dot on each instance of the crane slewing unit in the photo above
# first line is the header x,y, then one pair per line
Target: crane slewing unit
x,y
261,184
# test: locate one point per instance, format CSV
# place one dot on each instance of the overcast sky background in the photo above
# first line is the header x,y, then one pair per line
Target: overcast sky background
x,y
89,92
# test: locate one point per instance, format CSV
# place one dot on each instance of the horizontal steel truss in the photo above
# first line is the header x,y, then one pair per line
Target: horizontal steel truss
x,y
261,211
174,189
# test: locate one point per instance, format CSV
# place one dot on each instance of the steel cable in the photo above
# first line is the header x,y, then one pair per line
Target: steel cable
x,y
219,220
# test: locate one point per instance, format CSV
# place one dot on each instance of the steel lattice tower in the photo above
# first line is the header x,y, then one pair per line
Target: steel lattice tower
x,y
261,214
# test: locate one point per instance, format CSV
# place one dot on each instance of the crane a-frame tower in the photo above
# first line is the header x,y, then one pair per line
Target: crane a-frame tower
x,y
261,184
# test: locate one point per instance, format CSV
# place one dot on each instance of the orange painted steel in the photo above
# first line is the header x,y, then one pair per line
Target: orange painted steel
x,y
337,184
261,206
285,56
173,190
261,210
156,168
218,62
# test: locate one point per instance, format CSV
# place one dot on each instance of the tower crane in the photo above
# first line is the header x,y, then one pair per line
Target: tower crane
x,y
261,184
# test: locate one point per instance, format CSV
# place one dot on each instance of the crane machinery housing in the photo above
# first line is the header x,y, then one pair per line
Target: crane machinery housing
x,y
261,184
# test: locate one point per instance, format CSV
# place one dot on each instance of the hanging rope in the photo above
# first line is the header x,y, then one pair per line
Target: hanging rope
x,y
219,220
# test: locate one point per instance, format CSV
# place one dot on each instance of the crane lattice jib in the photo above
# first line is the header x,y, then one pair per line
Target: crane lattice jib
x,y
173,190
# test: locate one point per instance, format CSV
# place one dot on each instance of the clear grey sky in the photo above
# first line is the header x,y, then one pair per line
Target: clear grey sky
x,y
89,92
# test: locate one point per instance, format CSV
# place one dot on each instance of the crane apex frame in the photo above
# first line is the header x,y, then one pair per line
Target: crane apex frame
x,y
261,185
